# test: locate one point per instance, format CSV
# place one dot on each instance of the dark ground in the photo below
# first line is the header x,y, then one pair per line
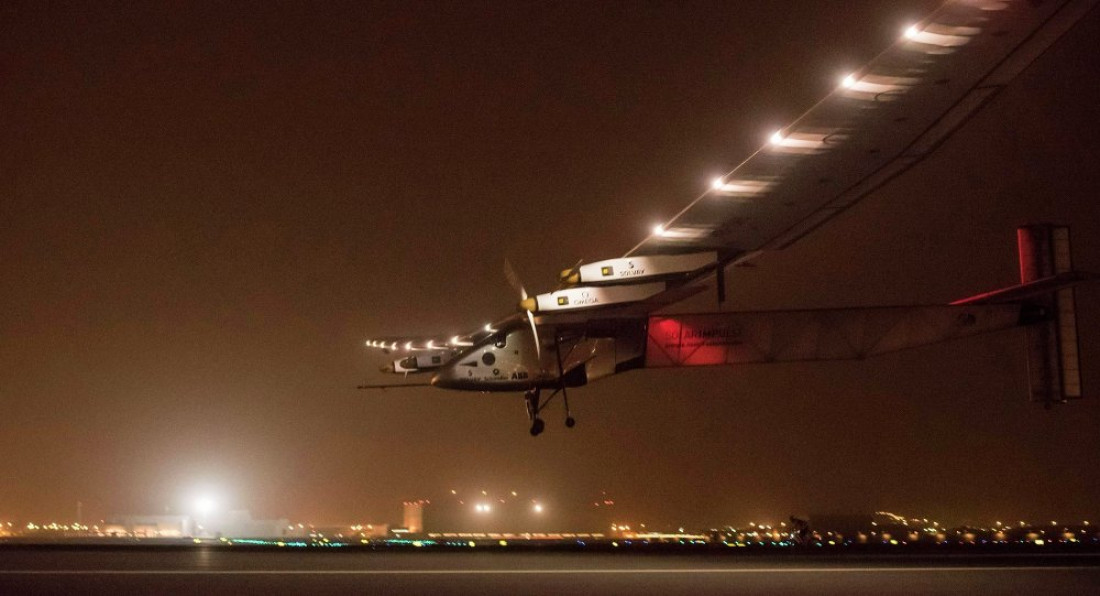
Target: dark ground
x,y
214,570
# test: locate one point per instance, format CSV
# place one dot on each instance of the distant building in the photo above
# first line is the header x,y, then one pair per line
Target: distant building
x,y
231,524
414,516
239,524
149,526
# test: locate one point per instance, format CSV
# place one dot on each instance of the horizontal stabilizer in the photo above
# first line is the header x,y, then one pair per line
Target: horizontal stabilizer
x,y
1030,289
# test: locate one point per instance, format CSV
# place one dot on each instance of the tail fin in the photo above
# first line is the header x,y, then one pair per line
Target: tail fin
x,y
1053,361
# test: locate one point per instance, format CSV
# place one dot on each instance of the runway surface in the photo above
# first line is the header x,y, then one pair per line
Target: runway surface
x,y
212,570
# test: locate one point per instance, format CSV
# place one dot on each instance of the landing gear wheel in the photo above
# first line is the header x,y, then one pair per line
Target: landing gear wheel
x,y
570,422
531,398
536,427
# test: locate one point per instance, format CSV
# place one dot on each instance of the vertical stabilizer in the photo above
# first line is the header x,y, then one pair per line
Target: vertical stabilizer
x,y
1053,365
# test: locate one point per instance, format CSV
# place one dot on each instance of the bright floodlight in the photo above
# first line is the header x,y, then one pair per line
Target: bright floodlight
x,y
537,508
848,81
204,505
718,183
659,230
912,32
777,137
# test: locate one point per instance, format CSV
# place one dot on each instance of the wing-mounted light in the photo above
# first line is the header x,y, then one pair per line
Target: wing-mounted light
x,y
877,87
742,188
386,345
941,38
809,141
434,345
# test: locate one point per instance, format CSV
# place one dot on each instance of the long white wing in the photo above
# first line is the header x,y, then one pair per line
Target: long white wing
x,y
879,121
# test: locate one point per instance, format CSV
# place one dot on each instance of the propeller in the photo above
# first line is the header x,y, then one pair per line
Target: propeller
x,y
517,285
513,279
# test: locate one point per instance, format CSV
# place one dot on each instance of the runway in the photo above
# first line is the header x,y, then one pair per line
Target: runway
x,y
61,570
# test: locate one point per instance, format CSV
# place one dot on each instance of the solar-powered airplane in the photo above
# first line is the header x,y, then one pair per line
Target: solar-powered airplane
x,y
881,120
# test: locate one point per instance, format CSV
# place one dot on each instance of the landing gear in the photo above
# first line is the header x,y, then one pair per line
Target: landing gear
x,y
537,426
531,396
535,407
570,422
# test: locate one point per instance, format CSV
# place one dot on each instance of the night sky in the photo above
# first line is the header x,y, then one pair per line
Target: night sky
x,y
206,208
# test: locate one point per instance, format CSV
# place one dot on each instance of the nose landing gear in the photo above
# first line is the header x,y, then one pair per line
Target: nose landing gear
x,y
531,397
537,427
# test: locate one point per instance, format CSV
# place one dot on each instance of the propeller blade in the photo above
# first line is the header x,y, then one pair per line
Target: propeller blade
x,y
535,333
513,279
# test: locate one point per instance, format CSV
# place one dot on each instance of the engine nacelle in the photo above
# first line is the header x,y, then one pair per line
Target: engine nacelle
x,y
417,363
591,297
637,269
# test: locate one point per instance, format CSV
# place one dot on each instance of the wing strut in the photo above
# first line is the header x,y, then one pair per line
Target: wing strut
x,y
569,420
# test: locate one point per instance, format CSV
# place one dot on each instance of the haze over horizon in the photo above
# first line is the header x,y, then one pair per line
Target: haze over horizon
x,y
206,209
